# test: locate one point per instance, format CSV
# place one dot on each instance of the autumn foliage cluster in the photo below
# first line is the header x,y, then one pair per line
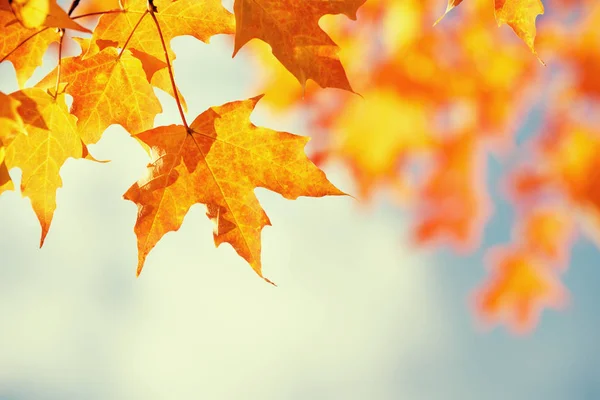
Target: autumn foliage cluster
x,y
412,99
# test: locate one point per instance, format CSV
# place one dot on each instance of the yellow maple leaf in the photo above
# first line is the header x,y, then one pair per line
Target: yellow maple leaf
x,y
219,162
520,15
50,137
10,125
107,89
200,19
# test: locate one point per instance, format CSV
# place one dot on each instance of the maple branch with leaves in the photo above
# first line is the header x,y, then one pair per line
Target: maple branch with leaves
x,y
220,157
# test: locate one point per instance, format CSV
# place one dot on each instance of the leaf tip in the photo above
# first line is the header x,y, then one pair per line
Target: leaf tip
x,y
269,281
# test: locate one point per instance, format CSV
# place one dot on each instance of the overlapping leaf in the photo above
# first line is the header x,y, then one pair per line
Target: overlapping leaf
x,y
292,30
50,137
27,57
35,14
520,15
31,13
107,89
219,163
24,47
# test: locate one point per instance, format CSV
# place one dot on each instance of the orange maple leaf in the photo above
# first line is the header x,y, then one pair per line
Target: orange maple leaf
x,y
108,88
520,286
219,162
50,137
292,30
520,15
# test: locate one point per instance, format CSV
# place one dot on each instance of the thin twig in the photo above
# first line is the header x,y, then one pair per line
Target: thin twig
x,y
169,67
60,46
131,34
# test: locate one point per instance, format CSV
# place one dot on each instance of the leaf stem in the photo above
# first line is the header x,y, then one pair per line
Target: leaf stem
x,y
61,32
152,10
131,34
46,28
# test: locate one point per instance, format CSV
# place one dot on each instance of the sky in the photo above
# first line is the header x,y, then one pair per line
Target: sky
x,y
358,312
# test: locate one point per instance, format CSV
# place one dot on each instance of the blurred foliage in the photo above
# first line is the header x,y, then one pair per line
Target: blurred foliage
x,y
437,100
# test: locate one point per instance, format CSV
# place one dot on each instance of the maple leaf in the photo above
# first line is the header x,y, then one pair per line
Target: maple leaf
x,y
24,47
10,125
546,232
200,19
28,56
50,138
519,287
520,15
219,162
40,13
107,89
292,30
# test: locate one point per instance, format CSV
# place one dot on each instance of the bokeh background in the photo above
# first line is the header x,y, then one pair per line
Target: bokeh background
x,y
360,312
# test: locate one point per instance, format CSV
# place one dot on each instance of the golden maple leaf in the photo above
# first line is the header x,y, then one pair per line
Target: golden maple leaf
x,y
50,137
520,15
519,287
547,233
219,162
40,13
107,89
34,43
31,13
